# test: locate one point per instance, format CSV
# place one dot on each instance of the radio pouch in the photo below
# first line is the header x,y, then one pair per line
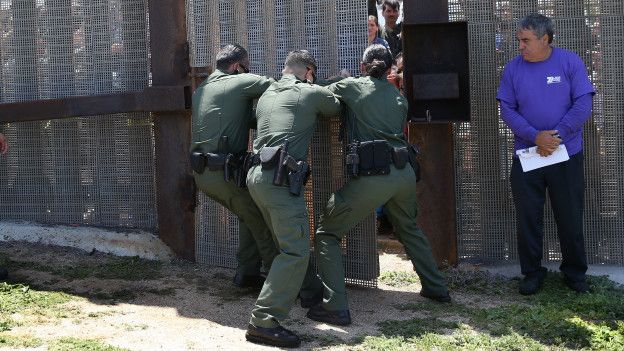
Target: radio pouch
x,y
374,157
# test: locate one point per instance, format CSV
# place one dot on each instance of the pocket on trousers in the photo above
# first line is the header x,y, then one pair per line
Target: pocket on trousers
x,y
336,207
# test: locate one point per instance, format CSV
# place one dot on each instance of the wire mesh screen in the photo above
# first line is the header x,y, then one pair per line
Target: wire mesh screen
x,y
335,33
88,171
485,212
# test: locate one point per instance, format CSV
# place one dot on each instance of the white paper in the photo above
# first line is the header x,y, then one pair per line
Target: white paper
x,y
530,159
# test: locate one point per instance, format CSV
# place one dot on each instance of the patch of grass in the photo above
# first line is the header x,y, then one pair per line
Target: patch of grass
x,y
560,316
554,319
125,268
462,338
415,327
398,278
74,344
21,341
479,281
18,298
327,340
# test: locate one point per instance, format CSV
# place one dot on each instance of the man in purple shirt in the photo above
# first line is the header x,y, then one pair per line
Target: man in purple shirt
x,y
545,98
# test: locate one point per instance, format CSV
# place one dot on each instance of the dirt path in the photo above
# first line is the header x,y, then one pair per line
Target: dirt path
x,y
186,308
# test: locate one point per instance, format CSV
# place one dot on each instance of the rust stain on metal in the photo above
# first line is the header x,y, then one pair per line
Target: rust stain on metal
x,y
436,189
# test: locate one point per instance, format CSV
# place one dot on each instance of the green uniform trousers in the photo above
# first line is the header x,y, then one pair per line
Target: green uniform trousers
x,y
348,206
287,216
255,242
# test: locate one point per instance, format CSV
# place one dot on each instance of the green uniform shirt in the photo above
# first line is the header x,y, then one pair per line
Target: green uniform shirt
x,y
288,110
222,105
379,111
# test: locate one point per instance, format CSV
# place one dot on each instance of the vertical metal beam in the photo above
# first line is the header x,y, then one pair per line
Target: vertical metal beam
x,y
436,190
175,196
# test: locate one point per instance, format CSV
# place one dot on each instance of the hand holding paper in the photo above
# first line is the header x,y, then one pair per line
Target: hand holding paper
x,y
530,159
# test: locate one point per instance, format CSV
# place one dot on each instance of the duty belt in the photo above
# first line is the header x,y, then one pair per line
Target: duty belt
x,y
287,170
374,158
233,165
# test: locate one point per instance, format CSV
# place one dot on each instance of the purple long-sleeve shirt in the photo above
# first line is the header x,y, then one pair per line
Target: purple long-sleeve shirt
x,y
554,94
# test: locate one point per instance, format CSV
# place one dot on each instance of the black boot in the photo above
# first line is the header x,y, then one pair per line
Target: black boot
x,y
531,283
319,314
308,302
580,286
439,298
248,281
277,336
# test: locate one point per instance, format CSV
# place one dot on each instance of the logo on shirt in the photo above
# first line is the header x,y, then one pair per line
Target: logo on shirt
x,y
553,80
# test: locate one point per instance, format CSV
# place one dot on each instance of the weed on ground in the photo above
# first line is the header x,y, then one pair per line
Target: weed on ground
x,y
21,299
398,278
554,319
125,268
13,341
74,344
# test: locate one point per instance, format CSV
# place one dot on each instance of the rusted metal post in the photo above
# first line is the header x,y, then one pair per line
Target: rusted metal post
x,y
436,190
175,195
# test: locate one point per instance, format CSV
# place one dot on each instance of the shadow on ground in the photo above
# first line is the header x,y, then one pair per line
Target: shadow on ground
x,y
487,312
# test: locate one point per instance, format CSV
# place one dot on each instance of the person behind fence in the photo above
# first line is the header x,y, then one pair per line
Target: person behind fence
x,y
381,164
373,33
4,147
545,98
287,114
391,31
222,116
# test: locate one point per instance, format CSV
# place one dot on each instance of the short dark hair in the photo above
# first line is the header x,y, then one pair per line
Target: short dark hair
x,y
392,3
377,60
300,59
539,24
229,54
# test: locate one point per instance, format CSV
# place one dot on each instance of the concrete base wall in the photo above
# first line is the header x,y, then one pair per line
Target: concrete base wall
x,y
136,243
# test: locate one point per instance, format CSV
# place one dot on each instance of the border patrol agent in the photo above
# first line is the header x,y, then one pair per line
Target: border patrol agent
x,y
287,114
222,116
379,162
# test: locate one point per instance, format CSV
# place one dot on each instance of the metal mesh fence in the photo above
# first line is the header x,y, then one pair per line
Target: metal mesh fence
x,y
595,30
335,33
82,171
99,171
